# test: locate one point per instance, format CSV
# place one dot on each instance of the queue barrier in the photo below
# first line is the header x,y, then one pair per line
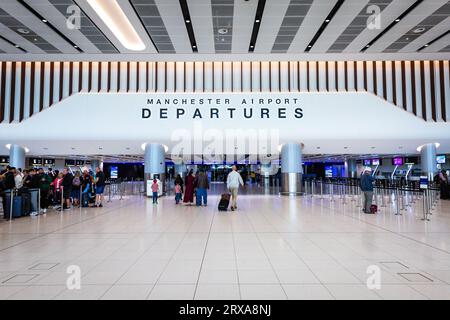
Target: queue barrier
x,y
402,196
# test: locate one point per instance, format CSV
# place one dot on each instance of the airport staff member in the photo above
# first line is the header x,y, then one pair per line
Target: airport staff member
x,y
234,179
366,185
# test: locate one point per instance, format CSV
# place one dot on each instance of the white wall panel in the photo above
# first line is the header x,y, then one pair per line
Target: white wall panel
x,y
256,76
246,77
199,70
303,76
208,77
265,76
217,68
26,106
189,76
179,69
227,77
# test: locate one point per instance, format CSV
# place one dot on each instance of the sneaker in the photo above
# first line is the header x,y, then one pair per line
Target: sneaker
x,y
100,205
34,213
232,208
44,211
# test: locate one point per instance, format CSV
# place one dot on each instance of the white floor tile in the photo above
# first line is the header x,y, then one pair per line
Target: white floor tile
x,y
307,292
128,292
352,292
172,292
262,292
217,292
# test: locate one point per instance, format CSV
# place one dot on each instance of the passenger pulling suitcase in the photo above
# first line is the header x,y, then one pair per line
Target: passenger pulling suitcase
x,y
373,208
224,202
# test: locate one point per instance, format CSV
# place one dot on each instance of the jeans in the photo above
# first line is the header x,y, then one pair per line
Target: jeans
x,y
155,197
368,195
178,197
201,195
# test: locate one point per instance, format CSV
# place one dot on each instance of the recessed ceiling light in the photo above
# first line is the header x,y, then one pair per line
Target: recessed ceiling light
x,y
310,46
188,21
119,24
419,30
251,46
426,45
257,20
17,46
23,31
368,46
194,46
397,20
44,21
222,31
328,20
75,46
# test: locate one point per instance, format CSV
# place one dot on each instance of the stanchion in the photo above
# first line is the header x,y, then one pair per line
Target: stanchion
x,y
424,206
321,189
397,202
331,191
402,199
109,191
39,201
11,207
62,198
312,188
383,198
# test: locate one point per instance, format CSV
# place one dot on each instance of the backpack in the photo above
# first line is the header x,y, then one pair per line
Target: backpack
x,y
76,182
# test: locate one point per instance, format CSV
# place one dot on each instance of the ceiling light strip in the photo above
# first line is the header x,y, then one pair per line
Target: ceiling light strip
x,y
324,25
116,20
56,30
382,33
256,24
188,24
143,25
433,41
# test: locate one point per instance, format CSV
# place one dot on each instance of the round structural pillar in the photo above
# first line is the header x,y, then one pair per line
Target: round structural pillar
x,y
155,163
291,169
428,160
350,168
17,156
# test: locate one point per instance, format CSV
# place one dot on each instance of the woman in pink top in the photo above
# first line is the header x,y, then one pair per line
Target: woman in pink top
x,y
155,188
178,194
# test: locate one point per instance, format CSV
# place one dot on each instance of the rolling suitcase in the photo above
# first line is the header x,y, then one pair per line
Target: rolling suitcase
x,y
373,209
26,204
17,206
224,202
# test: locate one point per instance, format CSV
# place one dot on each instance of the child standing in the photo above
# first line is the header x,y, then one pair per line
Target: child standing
x,y
177,193
155,188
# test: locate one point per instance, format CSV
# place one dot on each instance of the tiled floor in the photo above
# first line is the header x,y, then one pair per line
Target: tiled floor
x,y
271,248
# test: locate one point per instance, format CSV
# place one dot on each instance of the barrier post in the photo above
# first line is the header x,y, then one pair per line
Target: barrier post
x,y
424,206
80,197
39,201
383,198
62,198
321,189
11,207
402,198
397,200
109,191
313,184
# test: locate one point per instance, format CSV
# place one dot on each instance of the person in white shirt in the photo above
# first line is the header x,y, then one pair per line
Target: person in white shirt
x,y
18,179
234,179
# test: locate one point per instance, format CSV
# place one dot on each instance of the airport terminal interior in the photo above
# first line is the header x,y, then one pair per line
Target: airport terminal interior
x,y
224,150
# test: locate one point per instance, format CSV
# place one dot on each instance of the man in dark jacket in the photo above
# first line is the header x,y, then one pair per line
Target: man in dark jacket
x,y
366,185
67,188
202,185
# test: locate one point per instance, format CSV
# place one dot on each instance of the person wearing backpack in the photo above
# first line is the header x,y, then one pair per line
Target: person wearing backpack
x,y
76,184
44,186
366,185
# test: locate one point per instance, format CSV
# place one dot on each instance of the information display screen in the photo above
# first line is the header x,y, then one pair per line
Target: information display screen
x,y
49,162
4,161
376,162
79,162
367,162
36,162
114,172
69,163
441,159
397,161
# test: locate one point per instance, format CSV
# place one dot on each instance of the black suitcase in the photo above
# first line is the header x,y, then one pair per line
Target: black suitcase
x,y
26,203
224,202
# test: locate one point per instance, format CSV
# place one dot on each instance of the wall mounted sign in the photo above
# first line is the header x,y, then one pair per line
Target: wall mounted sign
x,y
4,161
49,162
36,162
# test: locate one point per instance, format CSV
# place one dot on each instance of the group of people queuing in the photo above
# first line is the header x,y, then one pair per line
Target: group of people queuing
x,y
197,186
58,190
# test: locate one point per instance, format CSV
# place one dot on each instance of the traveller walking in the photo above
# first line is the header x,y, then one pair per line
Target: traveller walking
x,y
44,186
202,185
366,185
76,183
178,194
179,180
67,188
155,189
100,187
234,179
189,193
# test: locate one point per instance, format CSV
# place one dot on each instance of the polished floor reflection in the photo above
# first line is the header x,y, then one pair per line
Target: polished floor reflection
x,y
271,248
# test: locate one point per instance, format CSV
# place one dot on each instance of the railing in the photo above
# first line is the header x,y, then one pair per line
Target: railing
x,y
402,196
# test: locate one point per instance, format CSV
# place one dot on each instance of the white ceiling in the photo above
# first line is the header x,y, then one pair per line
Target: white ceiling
x,y
301,19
